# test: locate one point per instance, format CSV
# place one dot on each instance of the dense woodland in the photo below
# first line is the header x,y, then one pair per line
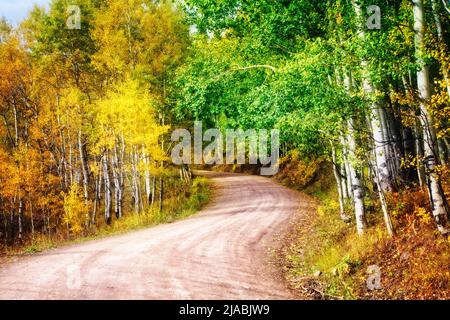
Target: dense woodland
x,y
86,113
371,96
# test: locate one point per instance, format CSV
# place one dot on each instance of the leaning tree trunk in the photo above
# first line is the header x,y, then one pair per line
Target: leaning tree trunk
x,y
437,198
377,120
383,201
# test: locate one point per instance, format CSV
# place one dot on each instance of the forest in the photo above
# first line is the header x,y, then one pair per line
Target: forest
x,y
360,86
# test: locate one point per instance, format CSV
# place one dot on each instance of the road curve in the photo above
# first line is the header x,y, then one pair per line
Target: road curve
x,y
220,253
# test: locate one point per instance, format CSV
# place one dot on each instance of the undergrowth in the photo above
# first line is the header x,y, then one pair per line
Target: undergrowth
x,y
326,259
177,206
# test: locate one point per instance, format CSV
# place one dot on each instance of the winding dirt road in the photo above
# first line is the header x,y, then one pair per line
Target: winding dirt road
x,y
220,253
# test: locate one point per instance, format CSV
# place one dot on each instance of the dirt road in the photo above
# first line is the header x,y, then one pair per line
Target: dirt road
x,y
220,253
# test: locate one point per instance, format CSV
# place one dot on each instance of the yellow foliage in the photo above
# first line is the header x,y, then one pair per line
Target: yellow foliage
x,y
299,173
423,215
75,210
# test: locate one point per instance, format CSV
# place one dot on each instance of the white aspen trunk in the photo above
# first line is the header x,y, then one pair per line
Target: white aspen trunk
x,y
161,193
357,187
337,176
348,180
115,169
383,202
147,177
20,218
84,167
121,172
108,194
153,190
32,219
437,199
357,184
16,128
63,147
70,162
85,172
377,120
139,185
345,191
345,178
135,182
96,196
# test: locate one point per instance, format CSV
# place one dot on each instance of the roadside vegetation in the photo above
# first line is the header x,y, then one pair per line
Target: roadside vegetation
x,y
323,258
182,201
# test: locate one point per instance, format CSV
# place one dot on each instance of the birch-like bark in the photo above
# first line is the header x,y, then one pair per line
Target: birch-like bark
x,y
357,184
153,190
383,202
337,176
96,196
85,172
437,199
118,187
108,195
348,178
32,219
161,193
147,177
20,219
377,118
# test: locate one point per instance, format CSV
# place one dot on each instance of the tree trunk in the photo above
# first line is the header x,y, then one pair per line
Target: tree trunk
x,y
437,198
337,176
357,187
348,178
135,176
357,184
118,191
377,119
383,202
153,190
108,196
161,193
148,184
32,219
85,172
96,196
20,216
